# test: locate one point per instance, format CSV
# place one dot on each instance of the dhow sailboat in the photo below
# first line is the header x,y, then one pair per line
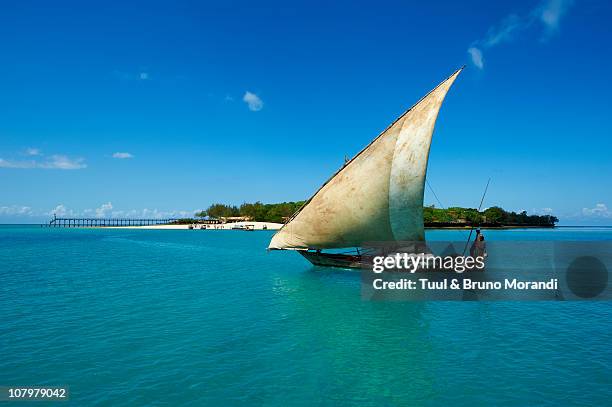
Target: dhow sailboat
x,y
377,196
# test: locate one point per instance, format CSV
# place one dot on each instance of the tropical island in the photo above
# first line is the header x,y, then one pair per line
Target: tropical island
x,y
494,217
454,217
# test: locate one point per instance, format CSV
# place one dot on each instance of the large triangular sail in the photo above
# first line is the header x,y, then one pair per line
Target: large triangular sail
x,y
376,196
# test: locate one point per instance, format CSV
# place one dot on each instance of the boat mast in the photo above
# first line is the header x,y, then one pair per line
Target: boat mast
x,y
479,208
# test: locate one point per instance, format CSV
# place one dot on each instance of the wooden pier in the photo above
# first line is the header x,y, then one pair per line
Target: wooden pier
x,y
104,222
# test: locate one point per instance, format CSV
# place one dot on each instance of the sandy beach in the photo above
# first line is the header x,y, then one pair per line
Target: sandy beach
x,y
223,226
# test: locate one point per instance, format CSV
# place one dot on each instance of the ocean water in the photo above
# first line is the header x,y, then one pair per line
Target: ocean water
x,y
209,318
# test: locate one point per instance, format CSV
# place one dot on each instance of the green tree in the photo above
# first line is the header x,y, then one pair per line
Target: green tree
x,y
221,210
280,212
495,215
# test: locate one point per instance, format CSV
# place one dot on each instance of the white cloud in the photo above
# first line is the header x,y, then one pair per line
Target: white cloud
x,y
476,56
547,14
551,12
57,162
122,155
61,162
61,210
104,210
599,211
253,101
133,75
33,151
542,211
107,210
140,213
504,31
15,210
17,164
151,214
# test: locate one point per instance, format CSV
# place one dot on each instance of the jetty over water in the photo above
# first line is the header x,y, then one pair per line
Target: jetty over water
x,y
102,222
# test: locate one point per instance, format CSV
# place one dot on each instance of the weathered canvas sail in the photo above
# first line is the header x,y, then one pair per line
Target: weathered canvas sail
x,y
378,195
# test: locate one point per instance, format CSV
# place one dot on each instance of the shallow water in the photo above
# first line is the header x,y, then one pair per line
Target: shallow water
x,y
133,317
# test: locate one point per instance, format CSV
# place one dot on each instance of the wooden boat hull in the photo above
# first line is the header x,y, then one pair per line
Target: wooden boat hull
x,y
352,261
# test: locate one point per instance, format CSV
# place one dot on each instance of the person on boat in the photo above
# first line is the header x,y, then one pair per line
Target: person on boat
x,y
473,246
479,247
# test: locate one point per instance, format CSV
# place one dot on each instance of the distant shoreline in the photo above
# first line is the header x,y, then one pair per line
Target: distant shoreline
x,y
202,226
463,227
426,227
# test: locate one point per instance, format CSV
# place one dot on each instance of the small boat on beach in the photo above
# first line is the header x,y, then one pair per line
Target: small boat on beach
x,y
246,228
377,196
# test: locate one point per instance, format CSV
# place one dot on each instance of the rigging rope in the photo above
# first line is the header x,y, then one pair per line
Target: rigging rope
x,y
434,194
479,208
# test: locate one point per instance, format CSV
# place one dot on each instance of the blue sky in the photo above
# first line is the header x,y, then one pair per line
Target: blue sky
x,y
153,108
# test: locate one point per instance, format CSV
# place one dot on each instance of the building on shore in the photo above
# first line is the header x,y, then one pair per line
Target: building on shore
x,y
233,219
209,220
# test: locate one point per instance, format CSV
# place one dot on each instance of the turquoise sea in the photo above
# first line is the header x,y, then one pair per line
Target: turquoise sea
x,y
209,318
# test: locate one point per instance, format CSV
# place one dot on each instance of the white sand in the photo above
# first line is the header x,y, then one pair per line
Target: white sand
x,y
223,226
